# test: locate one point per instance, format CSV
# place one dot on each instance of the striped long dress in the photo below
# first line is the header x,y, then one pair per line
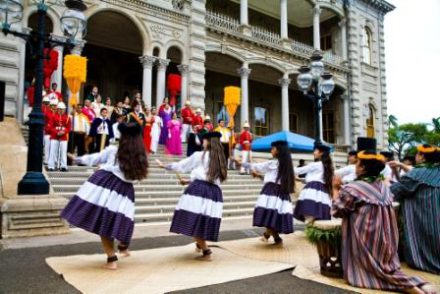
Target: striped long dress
x,y
370,238
419,195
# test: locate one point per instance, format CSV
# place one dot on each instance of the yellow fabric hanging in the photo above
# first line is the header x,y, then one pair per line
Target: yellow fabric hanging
x,y
232,101
75,73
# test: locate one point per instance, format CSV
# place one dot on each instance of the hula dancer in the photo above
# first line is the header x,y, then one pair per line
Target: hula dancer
x,y
314,202
199,211
370,235
104,205
274,209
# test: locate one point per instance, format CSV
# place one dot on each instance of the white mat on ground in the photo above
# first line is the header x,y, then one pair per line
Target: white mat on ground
x,y
158,270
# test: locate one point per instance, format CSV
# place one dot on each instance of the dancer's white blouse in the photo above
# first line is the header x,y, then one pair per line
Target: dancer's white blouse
x,y
347,173
314,172
106,159
197,164
268,168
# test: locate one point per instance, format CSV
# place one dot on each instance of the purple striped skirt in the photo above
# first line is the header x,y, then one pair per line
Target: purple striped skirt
x,y
103,205
315,201
274,209
199,211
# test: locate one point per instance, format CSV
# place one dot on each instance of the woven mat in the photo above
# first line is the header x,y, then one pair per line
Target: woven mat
x,y
159,270
298,251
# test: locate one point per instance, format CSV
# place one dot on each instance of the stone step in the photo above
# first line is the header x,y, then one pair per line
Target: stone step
x,y
156,201
151,169
168,181
166,217
238,188
227,194
227,206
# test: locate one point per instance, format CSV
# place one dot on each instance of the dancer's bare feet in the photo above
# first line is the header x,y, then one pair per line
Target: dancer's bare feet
x,y
112,263
206,256
198,248
124,253
414,290
430,289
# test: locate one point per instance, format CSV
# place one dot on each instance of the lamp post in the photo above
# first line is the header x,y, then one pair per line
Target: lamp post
x,y
316,85
73,23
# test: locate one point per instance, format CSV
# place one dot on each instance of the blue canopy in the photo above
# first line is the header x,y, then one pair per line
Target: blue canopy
x,y
296,142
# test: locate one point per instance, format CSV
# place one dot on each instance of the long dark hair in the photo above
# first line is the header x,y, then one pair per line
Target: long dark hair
x,y
131,156
328,170
217,161
285,170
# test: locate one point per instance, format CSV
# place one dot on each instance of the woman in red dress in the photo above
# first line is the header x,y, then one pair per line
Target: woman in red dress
x,y
149,119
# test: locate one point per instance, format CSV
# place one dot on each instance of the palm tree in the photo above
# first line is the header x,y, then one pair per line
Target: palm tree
x,y
393,121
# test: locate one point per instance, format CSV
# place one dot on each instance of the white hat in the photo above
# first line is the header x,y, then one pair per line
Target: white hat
x,y
61,105
53,101
207,117
187,102
46,99
246,125
199,110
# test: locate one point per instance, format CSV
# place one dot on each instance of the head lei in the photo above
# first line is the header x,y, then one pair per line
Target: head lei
x,y
365,155
425,148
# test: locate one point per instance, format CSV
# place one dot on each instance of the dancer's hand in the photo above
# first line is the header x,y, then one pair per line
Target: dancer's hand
x,y
257,175
71,157
184,182
160,164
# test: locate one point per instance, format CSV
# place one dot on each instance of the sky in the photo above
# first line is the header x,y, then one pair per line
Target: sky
x,y
412,48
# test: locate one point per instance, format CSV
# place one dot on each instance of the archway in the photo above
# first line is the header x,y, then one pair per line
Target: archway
x,y
114,44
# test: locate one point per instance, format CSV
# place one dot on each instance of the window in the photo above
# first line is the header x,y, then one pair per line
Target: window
x,y
371,133
366,45
328,125
326,43
261,117
293,122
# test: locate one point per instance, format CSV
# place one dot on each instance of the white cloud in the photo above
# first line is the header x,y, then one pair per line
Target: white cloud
x,y
412,48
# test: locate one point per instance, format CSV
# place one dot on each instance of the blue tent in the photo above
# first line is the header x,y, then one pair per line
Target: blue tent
x,y
296,142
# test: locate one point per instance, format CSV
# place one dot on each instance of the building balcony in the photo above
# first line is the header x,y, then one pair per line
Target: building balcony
x,y
225,24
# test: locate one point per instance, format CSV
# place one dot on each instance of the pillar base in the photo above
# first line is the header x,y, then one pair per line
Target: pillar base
x,y
246,30
29,216
286,43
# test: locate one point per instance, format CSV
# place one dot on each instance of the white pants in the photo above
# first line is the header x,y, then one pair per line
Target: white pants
x,y
46,148
185,132
245,158
58,154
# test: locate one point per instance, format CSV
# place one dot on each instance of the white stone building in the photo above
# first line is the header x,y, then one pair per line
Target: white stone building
x,y
255,44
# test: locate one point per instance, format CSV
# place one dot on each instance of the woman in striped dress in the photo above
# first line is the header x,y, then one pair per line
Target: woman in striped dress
x,y
419,194
274,210
104,204
369,231
198,213
314,202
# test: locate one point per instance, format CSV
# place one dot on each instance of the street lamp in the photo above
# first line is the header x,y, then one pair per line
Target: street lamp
x,y
73,24
317,85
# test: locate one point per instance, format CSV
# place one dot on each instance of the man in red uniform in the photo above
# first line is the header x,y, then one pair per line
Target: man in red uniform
x,y
60,126
198,120
48,112
54,91
187,120
246,152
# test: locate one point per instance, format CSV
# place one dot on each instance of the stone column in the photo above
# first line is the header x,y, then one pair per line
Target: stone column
x,y
147,64
244,19
21,78
244,72
183,69
57,76
316,23
343,26
347,114
161,72
284,33
285,82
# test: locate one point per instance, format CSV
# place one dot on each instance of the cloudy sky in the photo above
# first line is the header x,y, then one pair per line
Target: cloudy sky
x,y
412,43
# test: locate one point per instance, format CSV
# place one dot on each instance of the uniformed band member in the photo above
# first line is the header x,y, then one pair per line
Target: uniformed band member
x,y
246,152
60,125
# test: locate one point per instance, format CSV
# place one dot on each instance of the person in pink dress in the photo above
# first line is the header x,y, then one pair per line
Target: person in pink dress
x,y
174,142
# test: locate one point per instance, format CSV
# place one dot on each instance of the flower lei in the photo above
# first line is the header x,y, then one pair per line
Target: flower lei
x,y
371,179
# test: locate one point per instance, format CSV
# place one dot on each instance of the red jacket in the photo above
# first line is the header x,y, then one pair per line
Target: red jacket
x,y
48,114
59,95
60,126
198,121
187,115
246,140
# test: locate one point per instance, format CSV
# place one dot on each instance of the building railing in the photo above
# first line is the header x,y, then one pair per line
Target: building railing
x,y
228,24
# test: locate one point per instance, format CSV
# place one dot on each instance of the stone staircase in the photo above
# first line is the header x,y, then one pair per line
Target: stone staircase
x,y
157,196
25,133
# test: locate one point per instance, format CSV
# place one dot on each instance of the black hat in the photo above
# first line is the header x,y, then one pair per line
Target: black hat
x,y
366,144
322,147
388,154
130,129
352,153
210,135
280,143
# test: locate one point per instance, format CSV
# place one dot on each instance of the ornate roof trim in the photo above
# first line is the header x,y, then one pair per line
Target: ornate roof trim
x,y
382,5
